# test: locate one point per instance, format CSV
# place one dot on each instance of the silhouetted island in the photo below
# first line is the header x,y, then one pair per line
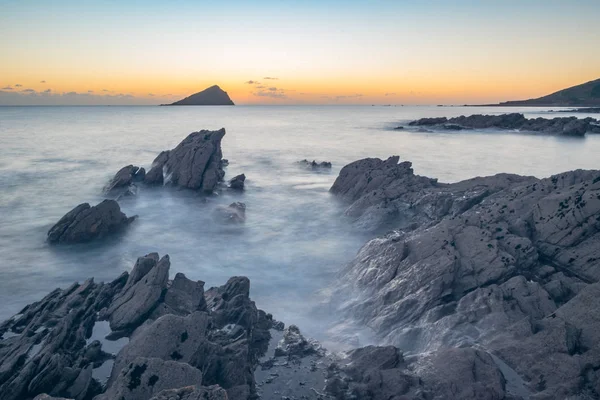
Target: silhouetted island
x,y
212,96
584,95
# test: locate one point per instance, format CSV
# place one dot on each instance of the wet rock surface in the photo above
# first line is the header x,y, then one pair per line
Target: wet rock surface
x,y
237,182
505,265
183,343
235,213
125,178
85,223
196,163
567,126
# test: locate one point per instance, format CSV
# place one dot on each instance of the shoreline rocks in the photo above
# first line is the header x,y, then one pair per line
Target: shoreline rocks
x,y
182,340
85,223
506,265
237,182
564,126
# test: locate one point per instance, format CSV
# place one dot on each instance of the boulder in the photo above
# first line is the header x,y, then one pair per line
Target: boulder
x,y
196,163
85,223
237,182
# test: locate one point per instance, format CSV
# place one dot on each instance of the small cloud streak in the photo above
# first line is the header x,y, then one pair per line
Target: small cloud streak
x,y
390,94
28,90
47,90
272,92
270,78
42,81
7,88
251,82
18,85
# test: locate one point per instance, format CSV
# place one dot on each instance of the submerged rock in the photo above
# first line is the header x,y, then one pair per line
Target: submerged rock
x,y
566,126
196,163
85,223
233,213
237,182
315,164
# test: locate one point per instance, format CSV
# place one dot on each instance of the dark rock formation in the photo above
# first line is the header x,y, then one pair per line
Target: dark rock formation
x,y
195,163
315,164
506,265
125,178
586,94
85,223
566,126
237,182
212,96
183,342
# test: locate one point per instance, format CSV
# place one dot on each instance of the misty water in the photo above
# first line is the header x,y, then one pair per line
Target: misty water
x,y
295,238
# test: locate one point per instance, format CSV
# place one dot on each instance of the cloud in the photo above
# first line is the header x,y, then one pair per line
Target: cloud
x,y
18,85
271,78
272,92
90,91
251,82
391,94
7,88
352,96
261,87
151,94
105,90
30,97
42,81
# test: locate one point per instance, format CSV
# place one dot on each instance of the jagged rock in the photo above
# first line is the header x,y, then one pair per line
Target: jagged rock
x,y
315,164
47,397
175,341
125,177
85,223
293,344
234,213
237,183
141,294
567,126
196,163
489,263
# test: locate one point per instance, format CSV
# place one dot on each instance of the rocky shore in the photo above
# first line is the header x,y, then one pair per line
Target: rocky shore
x,y
564,126
482,289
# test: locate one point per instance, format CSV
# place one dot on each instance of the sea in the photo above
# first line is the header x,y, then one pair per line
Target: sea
x,y
295,239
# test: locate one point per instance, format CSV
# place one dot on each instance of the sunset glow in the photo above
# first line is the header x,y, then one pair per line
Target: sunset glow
x,y
382,52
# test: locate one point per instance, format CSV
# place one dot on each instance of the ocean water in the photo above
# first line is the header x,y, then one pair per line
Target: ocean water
x,y
295,237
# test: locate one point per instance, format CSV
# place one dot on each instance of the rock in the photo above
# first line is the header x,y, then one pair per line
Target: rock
x,y
85,223
195,163
293,344
145,377
566,126
237,183
315,164
212,96
234,213
125,177
503,265
176,344
398,128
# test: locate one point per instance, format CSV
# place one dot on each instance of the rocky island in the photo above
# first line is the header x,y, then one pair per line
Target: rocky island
x,y
212,96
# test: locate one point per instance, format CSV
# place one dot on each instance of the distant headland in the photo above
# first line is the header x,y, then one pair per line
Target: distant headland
x,y
212,96
584,95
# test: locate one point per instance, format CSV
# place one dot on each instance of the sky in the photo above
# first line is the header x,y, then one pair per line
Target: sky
x,y
295,51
